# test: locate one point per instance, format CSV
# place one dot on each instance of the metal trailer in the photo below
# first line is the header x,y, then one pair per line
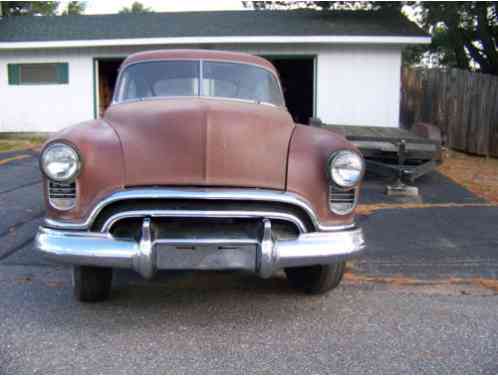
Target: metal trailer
x,y
395,152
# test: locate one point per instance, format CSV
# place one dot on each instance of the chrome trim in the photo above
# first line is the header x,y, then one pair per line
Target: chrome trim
x,y
319,248
331,160
355,201
203,214
208,241
236,194
86,248
201,78
267,251
144,260
148,254
68,144
52,203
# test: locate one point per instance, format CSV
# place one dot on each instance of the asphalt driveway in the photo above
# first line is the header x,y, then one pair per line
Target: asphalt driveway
x,y
237,323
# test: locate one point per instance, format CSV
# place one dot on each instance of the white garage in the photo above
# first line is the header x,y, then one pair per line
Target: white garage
x,y
342,67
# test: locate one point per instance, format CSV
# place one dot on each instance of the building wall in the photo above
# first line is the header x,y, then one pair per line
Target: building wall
x,y
46,108
356,85
359,86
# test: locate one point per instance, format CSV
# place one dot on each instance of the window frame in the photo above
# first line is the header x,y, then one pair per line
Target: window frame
x,y
14,74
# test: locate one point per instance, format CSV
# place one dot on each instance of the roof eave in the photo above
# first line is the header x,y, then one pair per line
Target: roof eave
x,y
318,39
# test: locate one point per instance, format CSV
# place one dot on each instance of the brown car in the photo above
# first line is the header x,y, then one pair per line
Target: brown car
x,y
197,165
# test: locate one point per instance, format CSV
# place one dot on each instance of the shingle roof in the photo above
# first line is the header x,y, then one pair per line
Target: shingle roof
x,y
207,24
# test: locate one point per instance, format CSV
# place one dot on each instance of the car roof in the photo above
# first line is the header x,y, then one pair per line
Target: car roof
x,y
198,54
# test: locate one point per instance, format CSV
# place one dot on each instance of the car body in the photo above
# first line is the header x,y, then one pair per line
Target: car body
x,y
197,165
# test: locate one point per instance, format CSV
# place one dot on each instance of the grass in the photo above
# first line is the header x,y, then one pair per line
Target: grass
x,y
22,143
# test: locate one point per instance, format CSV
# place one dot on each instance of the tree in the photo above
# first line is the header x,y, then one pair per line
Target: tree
x,y
74,8
464,34
324,5
136,7
29,8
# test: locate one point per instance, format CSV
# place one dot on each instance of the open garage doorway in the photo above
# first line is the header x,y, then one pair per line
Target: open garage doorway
x,y
297,74
106,73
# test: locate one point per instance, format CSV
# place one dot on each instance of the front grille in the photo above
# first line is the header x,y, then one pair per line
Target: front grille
x,y
198,204
62,196
342,201
205,228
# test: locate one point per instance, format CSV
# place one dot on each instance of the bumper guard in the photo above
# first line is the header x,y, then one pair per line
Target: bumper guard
x,y
263,255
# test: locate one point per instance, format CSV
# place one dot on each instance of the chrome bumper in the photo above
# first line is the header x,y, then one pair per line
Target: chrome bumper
x,y
263,255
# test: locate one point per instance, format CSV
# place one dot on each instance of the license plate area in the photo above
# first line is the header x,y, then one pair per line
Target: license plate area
x,y
212,256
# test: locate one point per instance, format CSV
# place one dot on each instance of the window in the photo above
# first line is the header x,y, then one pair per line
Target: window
x,y
38,74
175,78
160,79
240,81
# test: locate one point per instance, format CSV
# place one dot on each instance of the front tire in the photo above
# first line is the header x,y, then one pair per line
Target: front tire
x,y
92,284
317,279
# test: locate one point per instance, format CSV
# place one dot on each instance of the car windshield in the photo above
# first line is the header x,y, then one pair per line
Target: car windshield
x,y
183,78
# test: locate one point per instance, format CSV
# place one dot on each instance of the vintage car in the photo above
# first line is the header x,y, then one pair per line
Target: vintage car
x,y
197,165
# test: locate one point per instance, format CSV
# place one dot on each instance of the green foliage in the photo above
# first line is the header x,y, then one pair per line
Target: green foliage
x,y
136,7
29,8
324,5
465,34
74,8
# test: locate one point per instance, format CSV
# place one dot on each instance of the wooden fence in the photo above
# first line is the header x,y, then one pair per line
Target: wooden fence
x,y
462,104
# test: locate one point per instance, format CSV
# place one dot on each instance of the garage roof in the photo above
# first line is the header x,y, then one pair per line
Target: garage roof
x,y
249,26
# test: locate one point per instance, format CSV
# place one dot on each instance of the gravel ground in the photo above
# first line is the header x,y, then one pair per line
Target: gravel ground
x,y
215,323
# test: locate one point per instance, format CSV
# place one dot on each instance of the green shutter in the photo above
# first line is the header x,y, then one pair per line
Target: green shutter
x,y
13,70
62,73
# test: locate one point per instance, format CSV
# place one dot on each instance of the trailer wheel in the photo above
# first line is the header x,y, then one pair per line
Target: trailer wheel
x,y
316,279
91,284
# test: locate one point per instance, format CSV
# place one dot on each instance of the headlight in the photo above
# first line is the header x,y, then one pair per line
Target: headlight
x,y
346,168
60,162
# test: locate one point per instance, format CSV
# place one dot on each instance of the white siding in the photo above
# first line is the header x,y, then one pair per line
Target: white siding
x,y
46,108
356,85
359,86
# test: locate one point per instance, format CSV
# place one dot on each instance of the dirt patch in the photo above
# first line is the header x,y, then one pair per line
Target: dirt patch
x,y
478,174
352,277
462,285
491,284
370,208
12,159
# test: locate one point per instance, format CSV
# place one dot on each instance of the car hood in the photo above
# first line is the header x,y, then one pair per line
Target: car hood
x,y
202,142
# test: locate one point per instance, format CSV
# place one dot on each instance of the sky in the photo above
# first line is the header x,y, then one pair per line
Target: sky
x,y
113,6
